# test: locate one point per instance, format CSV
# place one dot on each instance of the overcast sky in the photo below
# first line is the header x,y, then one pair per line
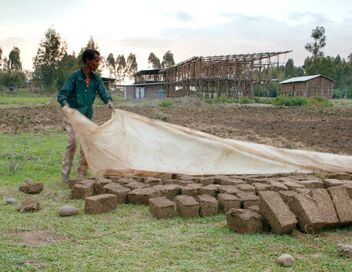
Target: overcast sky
x,y
186,27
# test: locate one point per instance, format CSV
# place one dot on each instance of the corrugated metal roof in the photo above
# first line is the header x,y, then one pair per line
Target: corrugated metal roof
x,y
302,79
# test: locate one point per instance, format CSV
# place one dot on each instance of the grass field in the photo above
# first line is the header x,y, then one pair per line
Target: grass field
x,y
129,239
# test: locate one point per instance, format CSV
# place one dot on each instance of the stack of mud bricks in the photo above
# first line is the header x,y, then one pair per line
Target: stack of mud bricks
x,y
252,203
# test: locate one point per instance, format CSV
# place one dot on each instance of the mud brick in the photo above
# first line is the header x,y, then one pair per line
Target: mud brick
x,y
83,189
312,183
122,180
72,182
287,196
191,189
182,182
304,191
285,179
342,203
182,177
349,189
248,199
278,186
293,185
226,180
29,187
254,208
305,177
333,182
342,176
276,212
135,185
142,195
244,221
169,190
246,188
325,206
100,183
161,207
205,181
212,189
118,190
229,189
208,205
152,181
186,206
307,213
261,186
227,202
100,203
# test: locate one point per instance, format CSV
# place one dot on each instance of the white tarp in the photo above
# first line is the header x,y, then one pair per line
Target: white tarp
x,y
130,144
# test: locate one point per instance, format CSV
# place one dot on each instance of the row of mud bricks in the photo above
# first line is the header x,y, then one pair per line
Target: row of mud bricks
x,y
252,203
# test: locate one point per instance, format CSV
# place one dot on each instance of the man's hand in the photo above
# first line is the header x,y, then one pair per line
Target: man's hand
x,y
110,105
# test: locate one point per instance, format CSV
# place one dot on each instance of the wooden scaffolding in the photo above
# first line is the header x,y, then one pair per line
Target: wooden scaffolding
x,y
214,76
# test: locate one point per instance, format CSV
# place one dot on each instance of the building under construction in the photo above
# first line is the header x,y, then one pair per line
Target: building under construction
x,y
213,76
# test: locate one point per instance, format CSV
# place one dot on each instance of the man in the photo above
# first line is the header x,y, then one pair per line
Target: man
x,y
79,93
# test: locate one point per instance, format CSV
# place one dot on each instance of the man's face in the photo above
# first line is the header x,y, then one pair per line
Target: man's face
x,y
93,64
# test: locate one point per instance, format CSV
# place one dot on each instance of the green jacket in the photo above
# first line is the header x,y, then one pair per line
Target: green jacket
x,y
78,96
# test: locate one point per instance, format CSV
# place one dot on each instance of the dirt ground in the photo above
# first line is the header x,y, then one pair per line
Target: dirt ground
x,y
321,129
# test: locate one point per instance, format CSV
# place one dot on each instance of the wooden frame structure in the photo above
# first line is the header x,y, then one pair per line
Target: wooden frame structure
x,y
214,76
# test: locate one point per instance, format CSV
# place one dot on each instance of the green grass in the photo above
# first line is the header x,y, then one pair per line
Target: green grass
x,y
24,97
129,239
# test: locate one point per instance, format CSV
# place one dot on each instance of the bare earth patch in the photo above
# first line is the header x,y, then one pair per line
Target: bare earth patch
x,y
40,238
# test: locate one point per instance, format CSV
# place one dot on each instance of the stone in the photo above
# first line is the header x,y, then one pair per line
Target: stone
x,y
72,182
349,189
345,250
333,182
10,201
325,206
246,188
29,187
68,210
122,180
307,213
304,191
248,199
29,205
100,203
312,183
182,183
254,208
244,221
293,185
285,260
342,203
208,205
161,207
262,186
142,195
205,181
191,189
276,212
342,176
186,206
135,185
99,185
227,202
211,189
169,190
83,189
118,190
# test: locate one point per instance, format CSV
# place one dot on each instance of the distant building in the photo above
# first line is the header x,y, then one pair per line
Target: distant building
x,y
108,82
147,84
308,86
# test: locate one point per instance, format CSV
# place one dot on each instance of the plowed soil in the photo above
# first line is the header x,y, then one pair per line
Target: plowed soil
x,y
320,129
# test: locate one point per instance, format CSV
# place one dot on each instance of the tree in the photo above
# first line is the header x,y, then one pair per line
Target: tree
x,y
91,44
120,68
49,55
0,58
154,61
14,62
168,59
111,64
67,65
131,65
318,35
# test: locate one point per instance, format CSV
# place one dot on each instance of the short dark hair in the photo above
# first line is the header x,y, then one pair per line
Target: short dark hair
x,y
89,54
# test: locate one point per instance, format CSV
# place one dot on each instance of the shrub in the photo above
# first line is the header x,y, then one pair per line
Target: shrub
x,y
290,101
245,100
319,101
166,103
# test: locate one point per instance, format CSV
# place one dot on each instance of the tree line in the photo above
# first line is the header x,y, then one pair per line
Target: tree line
x,y
52,63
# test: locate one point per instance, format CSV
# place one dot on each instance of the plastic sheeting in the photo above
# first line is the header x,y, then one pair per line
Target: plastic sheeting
x,y
130,144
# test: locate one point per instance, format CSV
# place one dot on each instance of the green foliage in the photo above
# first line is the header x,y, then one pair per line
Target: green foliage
x,y
131,65
165,103
12,78
245,100
120,68
221,100
168,60
319,41
14,62
290,101
154,61
267,90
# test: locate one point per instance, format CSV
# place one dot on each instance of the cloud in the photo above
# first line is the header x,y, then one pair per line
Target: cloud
x,y
184,17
